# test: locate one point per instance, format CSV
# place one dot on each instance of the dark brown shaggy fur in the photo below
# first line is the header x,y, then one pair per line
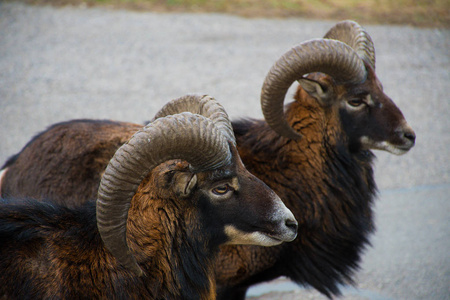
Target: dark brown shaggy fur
x,y
49,251
83,149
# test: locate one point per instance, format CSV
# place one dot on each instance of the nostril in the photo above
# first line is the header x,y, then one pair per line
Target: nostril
x,y
292,224
410,136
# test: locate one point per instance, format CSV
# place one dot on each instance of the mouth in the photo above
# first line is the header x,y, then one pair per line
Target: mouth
x,y
286,238
280,237
386,146
271,241
404,149
260,238
397,149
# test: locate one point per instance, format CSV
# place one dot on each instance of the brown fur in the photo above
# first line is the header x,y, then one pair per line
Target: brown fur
x,y
83,148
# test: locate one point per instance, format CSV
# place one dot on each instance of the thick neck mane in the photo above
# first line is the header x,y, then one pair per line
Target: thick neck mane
x,y
178,266
329,189
174,245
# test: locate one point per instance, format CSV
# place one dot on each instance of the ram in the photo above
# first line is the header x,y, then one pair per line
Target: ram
x,y
315,154
325,177
163,209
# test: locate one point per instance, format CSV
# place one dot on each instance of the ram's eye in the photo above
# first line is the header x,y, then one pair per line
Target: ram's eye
x,y
355,102
222,190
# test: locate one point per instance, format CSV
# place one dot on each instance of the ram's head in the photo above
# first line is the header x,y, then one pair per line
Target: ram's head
x,y
338,72
233,205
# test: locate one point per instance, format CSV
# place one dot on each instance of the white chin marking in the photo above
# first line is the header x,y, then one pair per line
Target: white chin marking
x,y
237,237
385,146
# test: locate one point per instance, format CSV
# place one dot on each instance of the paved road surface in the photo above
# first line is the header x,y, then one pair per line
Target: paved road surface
x,y
64,63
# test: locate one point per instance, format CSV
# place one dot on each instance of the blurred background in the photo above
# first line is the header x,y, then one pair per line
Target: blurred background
x,y
124,59
435,13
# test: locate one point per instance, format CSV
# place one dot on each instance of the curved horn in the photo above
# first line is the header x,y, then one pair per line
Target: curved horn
x,y
356,37
203,105
173,137
332,57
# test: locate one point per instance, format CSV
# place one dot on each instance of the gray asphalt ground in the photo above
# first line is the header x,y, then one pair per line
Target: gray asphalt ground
x,y
59,64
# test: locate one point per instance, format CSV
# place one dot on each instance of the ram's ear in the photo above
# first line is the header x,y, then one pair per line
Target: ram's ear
x,y
321,90
184,183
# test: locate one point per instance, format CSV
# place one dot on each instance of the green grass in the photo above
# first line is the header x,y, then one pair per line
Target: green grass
x,y
423,13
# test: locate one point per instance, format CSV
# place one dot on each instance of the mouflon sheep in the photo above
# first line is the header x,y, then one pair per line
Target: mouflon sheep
x,y
168,198
315,154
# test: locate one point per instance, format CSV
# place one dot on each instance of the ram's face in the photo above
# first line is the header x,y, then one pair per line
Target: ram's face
x,y
372,120
239,207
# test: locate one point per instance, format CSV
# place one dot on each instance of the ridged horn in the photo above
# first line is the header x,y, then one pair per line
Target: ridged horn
x,y
356,37
203,105
331,57
186,136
